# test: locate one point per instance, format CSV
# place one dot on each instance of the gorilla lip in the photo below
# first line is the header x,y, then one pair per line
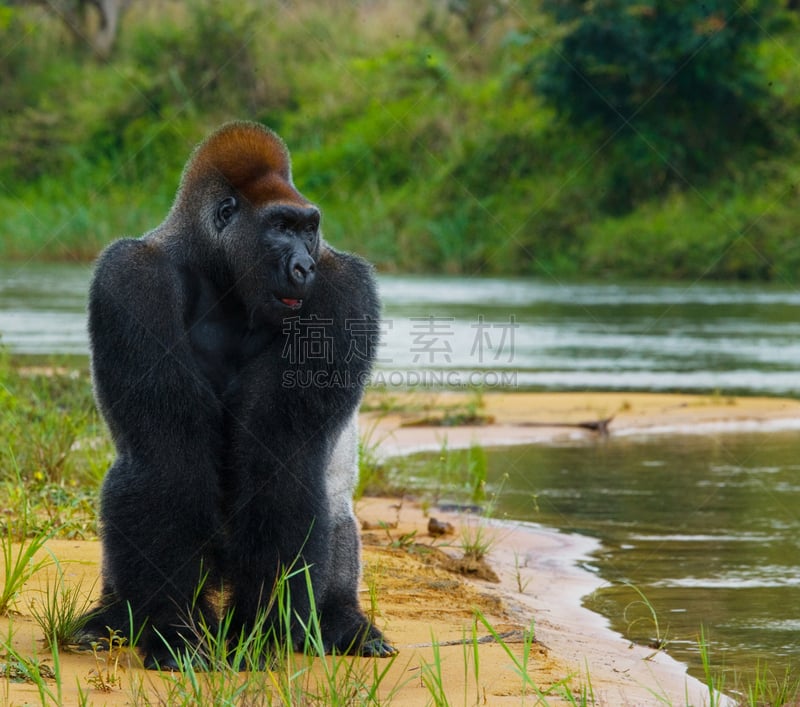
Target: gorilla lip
x,y
291,302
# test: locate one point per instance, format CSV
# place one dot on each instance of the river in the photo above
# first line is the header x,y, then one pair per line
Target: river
x,y
510,333
707,526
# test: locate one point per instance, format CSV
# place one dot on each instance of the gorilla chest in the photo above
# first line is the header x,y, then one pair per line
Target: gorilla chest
x,y
217,331
216,352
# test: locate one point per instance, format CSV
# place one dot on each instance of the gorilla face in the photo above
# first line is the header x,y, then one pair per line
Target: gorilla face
x,y
273,251
263,234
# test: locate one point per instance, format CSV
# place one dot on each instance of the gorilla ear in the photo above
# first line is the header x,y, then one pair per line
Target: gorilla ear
x,y
226,210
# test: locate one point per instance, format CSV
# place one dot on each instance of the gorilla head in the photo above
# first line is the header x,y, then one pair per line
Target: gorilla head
x,y
237,193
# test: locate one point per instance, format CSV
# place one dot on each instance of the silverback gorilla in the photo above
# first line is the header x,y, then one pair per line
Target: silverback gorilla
x,y
230,348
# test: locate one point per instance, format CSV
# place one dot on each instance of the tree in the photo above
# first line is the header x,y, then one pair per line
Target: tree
x,y
476,15
97,30
673,80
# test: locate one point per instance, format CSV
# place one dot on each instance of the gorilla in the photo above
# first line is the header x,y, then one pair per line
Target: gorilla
x,y
230,347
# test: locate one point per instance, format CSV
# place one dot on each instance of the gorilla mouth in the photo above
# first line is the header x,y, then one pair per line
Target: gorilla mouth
x,y
291,302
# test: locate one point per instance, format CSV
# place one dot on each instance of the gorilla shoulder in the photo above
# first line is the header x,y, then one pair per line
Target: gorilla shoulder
x,y
137,272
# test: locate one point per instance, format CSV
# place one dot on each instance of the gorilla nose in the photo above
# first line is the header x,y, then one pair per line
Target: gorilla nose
x,y
301,269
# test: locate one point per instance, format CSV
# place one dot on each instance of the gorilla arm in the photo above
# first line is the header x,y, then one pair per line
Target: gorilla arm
x,y
145,375
302,466
165,421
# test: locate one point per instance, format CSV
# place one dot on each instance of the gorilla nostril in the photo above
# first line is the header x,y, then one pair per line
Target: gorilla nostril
x,y
302,270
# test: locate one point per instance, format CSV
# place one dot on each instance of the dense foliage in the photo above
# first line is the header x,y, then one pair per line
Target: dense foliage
x,y
605,138
674,82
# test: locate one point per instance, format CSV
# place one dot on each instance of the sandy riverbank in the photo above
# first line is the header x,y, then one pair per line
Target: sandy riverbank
x,y
419,600
397,425
579,641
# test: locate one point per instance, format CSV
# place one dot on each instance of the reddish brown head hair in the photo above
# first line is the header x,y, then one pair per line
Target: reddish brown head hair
x,y
251,159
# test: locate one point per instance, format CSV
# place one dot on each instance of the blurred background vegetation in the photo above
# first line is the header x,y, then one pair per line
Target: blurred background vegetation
x,y
567,138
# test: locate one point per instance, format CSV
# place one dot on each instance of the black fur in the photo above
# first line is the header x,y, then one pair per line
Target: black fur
x,y
235,440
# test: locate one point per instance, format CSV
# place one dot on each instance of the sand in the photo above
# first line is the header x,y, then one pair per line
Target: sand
x,y
419,599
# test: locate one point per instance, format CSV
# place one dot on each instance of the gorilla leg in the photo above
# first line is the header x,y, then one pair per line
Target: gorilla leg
x,y
284,545
156,566
108,617
345,628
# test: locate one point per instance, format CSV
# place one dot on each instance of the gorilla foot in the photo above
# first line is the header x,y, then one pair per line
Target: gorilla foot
x,y
367,641
377,647
90,642
98,633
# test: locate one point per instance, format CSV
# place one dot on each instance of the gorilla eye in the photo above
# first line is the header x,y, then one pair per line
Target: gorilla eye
x,y
225,212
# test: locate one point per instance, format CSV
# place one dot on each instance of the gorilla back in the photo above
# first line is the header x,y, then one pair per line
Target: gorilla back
x,y
230,348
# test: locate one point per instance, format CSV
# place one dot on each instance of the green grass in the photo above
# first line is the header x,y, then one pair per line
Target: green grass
x,y
715,680
36,671
61,609
19,561
261,668
767,688
372,468
55,449
650,618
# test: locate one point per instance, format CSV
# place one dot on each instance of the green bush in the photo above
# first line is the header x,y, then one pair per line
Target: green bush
x,y
674,84
427,150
